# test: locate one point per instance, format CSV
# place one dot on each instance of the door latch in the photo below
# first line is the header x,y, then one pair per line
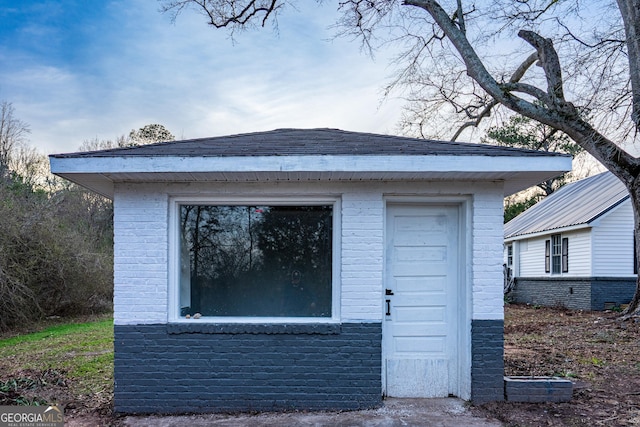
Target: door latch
x,y
388,292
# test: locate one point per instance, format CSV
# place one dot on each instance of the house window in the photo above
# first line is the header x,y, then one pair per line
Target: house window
x,y
510,256
256,260
557,255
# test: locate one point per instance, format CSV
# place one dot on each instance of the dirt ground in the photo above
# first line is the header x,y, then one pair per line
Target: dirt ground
x,y
597,351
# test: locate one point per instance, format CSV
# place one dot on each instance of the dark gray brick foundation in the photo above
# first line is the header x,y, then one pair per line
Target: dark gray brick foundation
x,y
487,360
608,291
178,369
577,293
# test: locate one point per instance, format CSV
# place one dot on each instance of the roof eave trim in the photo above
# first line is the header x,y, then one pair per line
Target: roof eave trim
x,y
608,209
331,163
548,231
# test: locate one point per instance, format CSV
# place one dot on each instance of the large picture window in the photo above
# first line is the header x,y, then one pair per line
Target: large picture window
x,y
256,261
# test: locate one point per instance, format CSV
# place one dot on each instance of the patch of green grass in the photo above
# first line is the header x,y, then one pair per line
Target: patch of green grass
x,y
592,361
83,350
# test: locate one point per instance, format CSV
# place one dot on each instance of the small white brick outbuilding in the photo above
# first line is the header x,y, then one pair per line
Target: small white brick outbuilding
x,y
306,269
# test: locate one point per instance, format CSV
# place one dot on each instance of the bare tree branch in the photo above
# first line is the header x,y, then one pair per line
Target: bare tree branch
x,y
561,114
223,13
460,79
13,132
549,61
459,17
486,112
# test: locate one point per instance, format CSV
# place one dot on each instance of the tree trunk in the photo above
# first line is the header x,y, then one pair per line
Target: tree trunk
x,y
630,11
634,306
553,109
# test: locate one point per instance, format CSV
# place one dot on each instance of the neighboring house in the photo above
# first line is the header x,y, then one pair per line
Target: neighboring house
x,y
306,269
575,248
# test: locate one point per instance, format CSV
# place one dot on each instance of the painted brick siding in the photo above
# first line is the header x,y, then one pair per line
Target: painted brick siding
x,y
362,252
161,372
573,293
154,371
487,256
578,293
537,389
141,242
611,291
487,360
140,256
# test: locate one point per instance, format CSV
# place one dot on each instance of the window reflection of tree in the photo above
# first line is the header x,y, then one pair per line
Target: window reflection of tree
x,y
243,258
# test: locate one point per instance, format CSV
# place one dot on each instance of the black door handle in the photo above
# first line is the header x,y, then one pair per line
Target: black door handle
x,y
388,313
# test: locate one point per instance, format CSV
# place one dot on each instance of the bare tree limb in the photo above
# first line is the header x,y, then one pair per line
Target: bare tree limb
x,y
459,17
549,61
227,13
486,112
561,114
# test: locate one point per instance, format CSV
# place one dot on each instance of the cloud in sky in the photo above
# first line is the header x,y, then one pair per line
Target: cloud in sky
x,y
77,72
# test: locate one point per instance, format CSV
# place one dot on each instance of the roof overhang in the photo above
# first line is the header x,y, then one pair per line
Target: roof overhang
x,y
99,173
547,232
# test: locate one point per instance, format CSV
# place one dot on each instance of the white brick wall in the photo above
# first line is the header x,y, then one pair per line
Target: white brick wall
x,y
362,255
141,242
140,255
487,254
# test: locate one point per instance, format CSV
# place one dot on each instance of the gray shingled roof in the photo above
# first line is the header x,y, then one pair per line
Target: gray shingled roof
x,y
283,142
578,203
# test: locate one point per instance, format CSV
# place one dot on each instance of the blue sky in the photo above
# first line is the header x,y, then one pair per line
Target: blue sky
x,y
75,72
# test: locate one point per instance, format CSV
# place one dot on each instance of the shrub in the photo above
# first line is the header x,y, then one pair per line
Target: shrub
x,y
55,252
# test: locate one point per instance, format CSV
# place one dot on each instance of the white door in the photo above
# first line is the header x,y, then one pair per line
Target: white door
x,y
420,322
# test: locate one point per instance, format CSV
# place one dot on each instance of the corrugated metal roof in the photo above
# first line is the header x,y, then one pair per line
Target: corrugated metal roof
x,y
292,142
578,203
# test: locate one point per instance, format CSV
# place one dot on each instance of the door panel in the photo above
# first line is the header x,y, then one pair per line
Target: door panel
x,y
420,332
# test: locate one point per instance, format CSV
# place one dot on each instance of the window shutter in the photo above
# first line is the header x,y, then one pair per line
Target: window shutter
x,y
565,255
547,256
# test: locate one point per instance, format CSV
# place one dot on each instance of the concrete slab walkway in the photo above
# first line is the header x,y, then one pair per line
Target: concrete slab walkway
x,y
448,412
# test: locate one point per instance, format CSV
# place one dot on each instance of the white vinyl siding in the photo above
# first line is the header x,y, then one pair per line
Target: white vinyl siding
x,y
579,253
532,255
532,259
613,243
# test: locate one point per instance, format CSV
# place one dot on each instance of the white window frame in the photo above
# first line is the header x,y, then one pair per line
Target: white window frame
x,y
174,256
556,254
562,255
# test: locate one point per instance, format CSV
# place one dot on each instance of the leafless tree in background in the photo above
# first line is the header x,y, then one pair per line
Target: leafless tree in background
x,y
13,132
461,63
